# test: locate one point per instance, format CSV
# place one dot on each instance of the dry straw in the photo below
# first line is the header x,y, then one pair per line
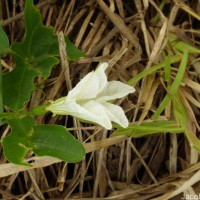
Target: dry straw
x,y
133,37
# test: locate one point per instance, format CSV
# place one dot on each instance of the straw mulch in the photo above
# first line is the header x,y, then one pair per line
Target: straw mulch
x,y
130,36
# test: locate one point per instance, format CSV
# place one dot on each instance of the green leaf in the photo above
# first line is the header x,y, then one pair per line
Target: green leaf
x,y
182,46
14,150
4,47
167,68
49,140
42,64
4,42
147,128
179,111
193,139
39,43
174,86
153,69
181,116
17,86
34,56
56,141
14,144
73,52
21,126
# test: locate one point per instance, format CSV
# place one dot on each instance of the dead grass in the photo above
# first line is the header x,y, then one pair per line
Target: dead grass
x,y
130,36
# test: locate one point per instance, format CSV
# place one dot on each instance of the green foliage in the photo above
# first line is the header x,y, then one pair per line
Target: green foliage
x,y
153,69
4,45
179,110
147,128
181,116
72,52
34,56
30,57
49,140
14,145
167,68
181,46
64,146
173,88
181,123
17,85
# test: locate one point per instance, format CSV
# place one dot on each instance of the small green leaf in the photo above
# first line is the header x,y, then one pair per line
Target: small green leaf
x,y
4,42
56,141
174,86
14,150
153,69
147,128
182,46
193,139
167,68
179,111
14,145
73,52
181,116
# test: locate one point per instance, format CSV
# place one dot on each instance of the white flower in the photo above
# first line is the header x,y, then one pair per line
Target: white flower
x,y
88,100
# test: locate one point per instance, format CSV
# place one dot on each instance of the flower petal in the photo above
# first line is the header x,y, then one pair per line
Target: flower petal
x,y
87,88
116,114
92,84
114,90
101,116
100,73
91,111
87,100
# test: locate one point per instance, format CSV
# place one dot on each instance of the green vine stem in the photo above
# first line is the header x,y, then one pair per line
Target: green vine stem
x,y
39,110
